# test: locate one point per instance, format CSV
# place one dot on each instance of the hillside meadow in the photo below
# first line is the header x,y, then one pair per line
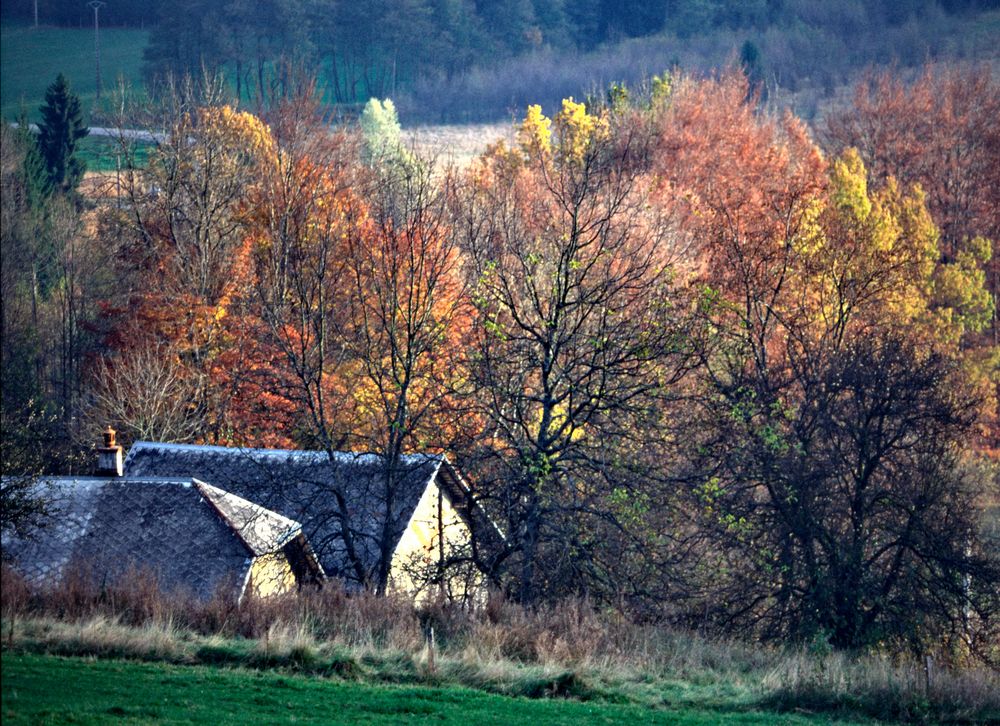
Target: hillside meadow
x,y
30,58
559,664
59,690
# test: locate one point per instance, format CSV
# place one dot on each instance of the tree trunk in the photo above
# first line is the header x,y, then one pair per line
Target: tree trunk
x,y
529,552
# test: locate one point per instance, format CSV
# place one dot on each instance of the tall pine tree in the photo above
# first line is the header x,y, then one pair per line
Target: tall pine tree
x,y
60,130
37,186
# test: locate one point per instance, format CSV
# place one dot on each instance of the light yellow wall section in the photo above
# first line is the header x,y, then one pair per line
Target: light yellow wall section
x,y
271,574
415,561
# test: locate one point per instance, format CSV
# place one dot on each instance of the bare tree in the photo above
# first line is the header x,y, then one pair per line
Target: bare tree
x,y
146,393
405,305
578,334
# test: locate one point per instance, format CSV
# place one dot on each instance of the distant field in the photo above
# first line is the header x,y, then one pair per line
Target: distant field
x,y
456,144
30,59
55,690
101,153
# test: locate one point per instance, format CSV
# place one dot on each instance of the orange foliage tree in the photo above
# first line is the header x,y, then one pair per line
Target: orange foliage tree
x,y
827,437
941,132
356,311
738,180
183,261
405,329
293,314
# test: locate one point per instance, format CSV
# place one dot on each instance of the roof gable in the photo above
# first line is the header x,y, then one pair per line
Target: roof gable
x,y
261,530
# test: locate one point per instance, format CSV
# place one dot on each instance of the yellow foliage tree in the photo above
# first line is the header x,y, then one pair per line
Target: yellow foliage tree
x,y
578,130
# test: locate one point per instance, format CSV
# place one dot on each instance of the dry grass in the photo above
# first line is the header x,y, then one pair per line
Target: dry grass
x,y
836,681
569,650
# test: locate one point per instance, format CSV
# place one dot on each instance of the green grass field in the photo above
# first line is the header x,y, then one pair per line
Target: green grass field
x,y
101,152
56,690
31,58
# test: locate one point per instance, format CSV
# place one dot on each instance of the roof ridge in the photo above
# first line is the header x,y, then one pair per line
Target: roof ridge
x,y
253,451
127,479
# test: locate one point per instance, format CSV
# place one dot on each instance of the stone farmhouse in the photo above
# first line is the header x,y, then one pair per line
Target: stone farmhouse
x,y
261,521
190,535
430,511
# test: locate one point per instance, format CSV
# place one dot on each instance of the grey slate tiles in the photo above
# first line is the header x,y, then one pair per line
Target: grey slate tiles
x,y
191,536
323,492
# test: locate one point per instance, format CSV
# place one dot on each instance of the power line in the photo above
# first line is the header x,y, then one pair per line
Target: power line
x,y
97,5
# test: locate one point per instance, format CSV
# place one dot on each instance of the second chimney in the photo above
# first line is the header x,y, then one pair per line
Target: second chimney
x,y
109,456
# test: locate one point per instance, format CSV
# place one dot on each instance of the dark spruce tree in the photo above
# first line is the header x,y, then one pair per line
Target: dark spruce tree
x,y
37,185
60,130
753,69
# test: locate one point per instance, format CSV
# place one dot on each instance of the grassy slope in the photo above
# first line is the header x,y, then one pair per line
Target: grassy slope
x,y
30,59
54,690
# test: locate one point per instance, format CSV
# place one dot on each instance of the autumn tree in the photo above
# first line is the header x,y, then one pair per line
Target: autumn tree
x,y
739,181
297,305
297,221
286,310
358,295
380,129
183,257
829,443
826,434
940,132
406,312
577,332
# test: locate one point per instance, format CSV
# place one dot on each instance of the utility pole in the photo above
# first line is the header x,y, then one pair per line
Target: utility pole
x,y
97,5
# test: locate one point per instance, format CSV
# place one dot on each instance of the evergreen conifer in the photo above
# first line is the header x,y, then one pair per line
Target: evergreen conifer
x,y
60,130
37,185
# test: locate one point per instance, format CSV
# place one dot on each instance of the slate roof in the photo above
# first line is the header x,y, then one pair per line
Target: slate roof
x,y
307,486
189,534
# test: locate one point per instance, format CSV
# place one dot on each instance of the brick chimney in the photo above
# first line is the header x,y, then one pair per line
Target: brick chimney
x,y
109,456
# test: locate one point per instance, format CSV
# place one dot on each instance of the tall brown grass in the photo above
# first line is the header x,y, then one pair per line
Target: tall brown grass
x,y
567,650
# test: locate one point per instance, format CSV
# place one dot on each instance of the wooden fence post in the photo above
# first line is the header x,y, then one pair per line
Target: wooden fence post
x,y
430,652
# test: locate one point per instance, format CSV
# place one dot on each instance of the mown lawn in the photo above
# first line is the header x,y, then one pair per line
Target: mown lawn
x,y
55,690
31,58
